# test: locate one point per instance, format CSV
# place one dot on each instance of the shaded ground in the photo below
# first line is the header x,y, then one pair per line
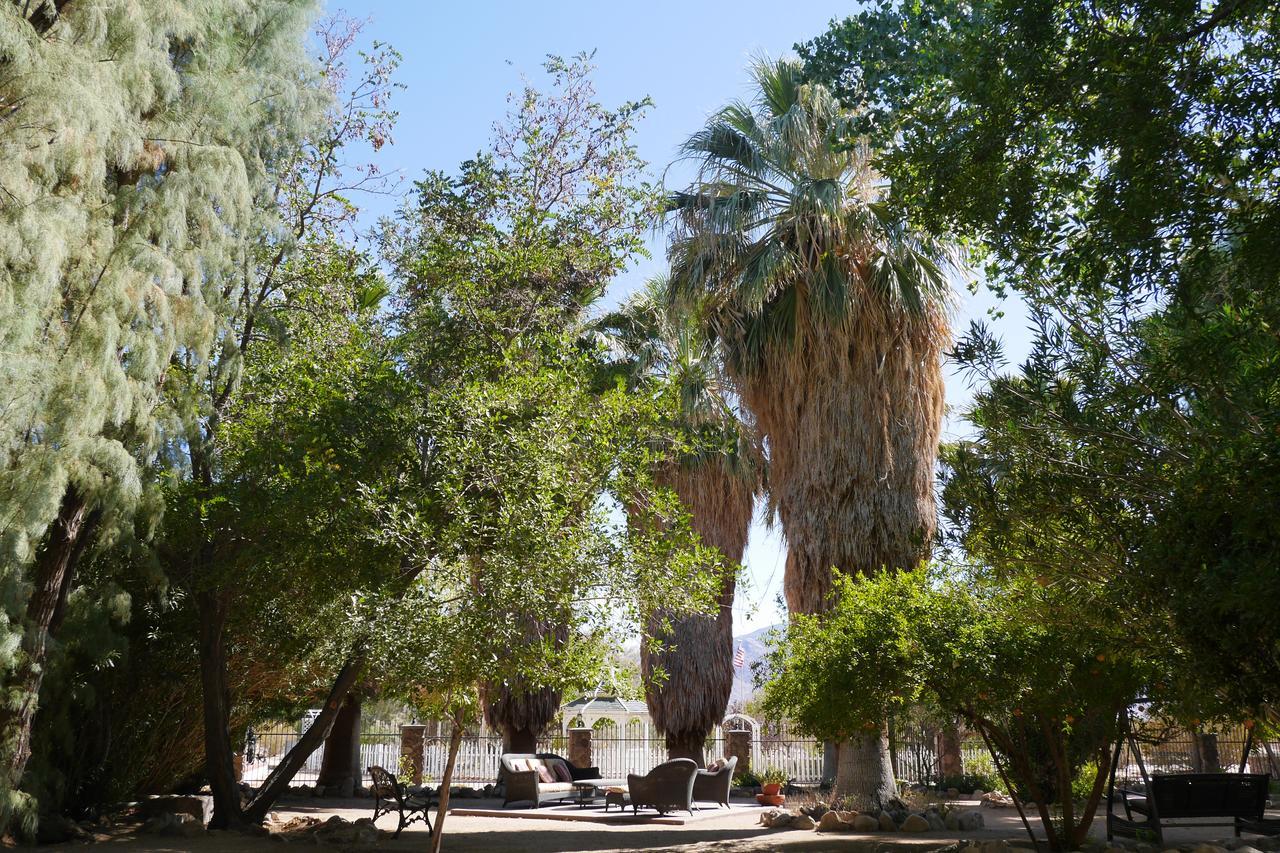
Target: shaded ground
x,y
732,830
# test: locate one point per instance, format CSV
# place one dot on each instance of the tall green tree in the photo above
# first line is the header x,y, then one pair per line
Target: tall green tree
x,y
832,318
130,194
526,236
711,460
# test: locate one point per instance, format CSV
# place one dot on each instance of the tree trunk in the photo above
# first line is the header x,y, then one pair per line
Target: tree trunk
x,y
218,749
950,760
340,765
864,775
686,745
278,781
442,808
52,576
1207,753
522,741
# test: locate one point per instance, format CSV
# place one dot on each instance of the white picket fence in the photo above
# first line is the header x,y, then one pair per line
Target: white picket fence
x,y
616,751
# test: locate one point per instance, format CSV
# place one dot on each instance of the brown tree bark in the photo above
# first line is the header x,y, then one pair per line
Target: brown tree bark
x,y
340,764
950,760
863,771
524,741
51,576
1207,753
442,808
686,745
227,811
276,783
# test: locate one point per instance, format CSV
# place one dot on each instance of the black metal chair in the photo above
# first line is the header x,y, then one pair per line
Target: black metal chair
x,y
389,796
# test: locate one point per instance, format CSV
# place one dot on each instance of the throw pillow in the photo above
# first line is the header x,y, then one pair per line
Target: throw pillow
x,y
715,766
519,765
545,775
562,771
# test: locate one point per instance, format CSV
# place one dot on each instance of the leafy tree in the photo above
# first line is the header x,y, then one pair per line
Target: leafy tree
x,y
130,192
506,257
1046,690
1115,164
831,316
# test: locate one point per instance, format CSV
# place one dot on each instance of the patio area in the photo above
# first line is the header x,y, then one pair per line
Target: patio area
x,y
483,826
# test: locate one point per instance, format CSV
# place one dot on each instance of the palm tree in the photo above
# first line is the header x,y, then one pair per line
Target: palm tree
x,y
832,318
714,467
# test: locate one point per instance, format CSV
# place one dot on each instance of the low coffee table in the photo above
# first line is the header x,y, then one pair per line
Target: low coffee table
x,y
590,790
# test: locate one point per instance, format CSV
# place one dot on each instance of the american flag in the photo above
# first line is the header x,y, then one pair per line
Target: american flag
x,y
739,658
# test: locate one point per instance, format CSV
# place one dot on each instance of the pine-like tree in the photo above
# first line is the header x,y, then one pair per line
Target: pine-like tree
x,y
137,146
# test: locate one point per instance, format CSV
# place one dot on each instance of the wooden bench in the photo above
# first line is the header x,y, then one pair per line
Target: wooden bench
x,y
1238,800
389,796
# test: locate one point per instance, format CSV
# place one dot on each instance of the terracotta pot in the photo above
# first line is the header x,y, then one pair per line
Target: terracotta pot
x,y
770,799
771,789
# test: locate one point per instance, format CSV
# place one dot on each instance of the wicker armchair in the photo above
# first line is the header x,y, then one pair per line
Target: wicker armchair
x,y
713,786
667,787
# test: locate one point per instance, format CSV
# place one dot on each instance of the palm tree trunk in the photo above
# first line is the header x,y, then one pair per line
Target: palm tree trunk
x,y
864,774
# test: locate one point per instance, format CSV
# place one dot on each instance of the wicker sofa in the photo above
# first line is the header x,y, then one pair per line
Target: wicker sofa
x,y
712,786
667,787
524,777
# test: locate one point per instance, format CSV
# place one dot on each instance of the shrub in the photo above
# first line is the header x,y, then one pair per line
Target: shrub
x,y
746,780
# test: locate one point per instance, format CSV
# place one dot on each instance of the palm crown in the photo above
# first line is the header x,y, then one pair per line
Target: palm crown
x,y
785,232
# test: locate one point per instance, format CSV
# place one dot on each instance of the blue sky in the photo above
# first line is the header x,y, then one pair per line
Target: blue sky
x,y
462,59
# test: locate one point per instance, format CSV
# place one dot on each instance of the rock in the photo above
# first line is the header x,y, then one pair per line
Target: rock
x,y
815,811
994,847
952,820
773,817
887,823
831,822
935,820
952,792
915,823
865,823
848,816
997,800
971,820
1208,848
978,792
198,806
802,821
173,825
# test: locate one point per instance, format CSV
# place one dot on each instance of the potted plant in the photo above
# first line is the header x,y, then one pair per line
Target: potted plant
x,y
771,781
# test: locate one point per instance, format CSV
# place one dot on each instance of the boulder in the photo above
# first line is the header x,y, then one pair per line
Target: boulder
x,y
887,823
815,811
802,821
865,823
952,792
915,823
848,816
978,792
934,817
1208,848
970,821
952,820
831,822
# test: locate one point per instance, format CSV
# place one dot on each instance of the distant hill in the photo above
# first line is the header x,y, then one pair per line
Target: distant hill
x,y
754,648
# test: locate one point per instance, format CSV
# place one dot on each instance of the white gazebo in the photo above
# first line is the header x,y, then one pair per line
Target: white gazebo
x,y
629,715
